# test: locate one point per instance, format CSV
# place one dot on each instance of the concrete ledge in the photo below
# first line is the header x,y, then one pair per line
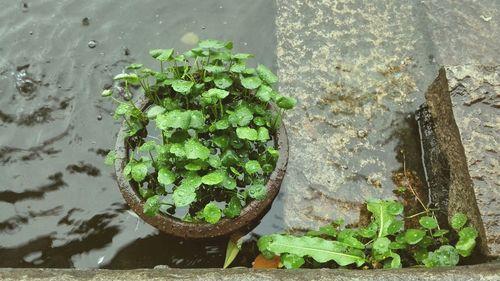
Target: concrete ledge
x,y
490,271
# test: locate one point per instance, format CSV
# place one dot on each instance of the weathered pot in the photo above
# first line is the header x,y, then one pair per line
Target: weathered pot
x,y
251,213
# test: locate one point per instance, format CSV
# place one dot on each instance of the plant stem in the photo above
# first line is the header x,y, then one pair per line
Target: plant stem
x,y
427,210
221,108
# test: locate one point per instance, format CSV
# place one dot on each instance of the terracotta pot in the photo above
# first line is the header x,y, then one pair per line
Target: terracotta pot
x,y
250,214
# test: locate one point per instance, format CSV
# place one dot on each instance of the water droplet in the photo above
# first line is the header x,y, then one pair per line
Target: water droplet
x,y
101,259
85,21
92,44
25,84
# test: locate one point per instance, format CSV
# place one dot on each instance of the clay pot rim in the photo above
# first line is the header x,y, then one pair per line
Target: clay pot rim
x,y
253,211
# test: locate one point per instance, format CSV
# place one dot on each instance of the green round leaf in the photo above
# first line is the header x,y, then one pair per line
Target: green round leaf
x,y
229,182
264,93
241,116
213,178
211,213
233,208
178,150
242,56
395,208
286,102
191,181
154,111
223,81
257,191
249,71
147,146
267,168
193,166
174,119
197,120
110,158
162,54
212,44
273,152
292,261
263,134
368,232
222,124
238,67
128,169
428,222
139,172
195,150
259,121
252,167
217,93
458,221
107,93
446,255
152,206
182,86
247,133
413,236
395,262
266,74
397,246
395,227
468,233
214,161
165,177
183,196
131,78
251,82
214,68
440,232
466,241
381,245
222,142
135,66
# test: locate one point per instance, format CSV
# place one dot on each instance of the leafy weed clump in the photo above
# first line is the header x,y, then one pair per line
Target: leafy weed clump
x,y
384,243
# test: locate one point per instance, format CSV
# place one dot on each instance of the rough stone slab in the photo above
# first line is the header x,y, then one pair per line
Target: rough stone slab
x,y
357,69
464,32
484,272
461,146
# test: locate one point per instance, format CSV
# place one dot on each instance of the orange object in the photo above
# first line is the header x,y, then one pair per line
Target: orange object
x,y
261,262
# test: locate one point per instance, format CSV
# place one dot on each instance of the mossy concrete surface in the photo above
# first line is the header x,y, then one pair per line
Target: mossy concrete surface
x,y
486,272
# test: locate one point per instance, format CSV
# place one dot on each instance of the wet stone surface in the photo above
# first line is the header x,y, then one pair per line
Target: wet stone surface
x,y
358,71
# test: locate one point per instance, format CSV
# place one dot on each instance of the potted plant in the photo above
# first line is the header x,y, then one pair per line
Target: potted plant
x,y
202,153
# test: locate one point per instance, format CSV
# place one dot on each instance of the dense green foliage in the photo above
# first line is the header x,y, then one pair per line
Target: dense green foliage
x,y
383,243
211,149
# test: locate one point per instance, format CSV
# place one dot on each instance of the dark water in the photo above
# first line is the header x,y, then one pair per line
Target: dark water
x,y
59,205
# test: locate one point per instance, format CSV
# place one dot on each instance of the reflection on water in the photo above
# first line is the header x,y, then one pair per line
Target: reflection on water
x,y
59,205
